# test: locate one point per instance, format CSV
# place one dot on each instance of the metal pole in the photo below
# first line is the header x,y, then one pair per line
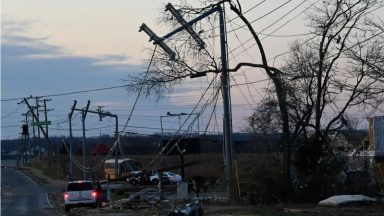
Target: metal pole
x,y
227,108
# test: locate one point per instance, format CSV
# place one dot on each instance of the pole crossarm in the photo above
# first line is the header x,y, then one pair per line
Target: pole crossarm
x,y
169,7
193,21
185,26
157,40
99,112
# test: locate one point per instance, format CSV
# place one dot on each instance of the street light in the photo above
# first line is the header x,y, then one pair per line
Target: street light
x,y
182,150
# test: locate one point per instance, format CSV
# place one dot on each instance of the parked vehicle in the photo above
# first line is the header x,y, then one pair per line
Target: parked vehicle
x,y
138,178
168,178
80,193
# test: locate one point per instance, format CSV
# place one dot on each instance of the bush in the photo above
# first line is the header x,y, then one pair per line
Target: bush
x,y
317,172
262,182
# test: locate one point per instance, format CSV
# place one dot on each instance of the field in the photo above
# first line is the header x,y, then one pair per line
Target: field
x,y
209,165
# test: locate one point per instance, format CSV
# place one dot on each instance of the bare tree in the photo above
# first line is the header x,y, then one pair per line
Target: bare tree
x,y
339,70
341,59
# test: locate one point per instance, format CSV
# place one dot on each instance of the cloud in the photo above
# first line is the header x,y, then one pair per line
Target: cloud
x,y
41,67
12,27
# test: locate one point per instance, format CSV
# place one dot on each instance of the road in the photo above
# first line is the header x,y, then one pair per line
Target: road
x,y
22,196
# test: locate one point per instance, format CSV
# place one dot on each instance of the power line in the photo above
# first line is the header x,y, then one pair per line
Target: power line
x,y
267,35
73,92
284,24
261,17
309,39
12,112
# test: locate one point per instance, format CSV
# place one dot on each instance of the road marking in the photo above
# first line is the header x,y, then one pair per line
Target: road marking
x,y
49,203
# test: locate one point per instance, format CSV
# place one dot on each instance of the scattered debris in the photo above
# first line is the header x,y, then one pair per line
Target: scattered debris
x,y
194,208
347,200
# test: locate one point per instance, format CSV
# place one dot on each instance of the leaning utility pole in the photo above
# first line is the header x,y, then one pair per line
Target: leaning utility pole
x,y
38,128
227,128
83,115
70,139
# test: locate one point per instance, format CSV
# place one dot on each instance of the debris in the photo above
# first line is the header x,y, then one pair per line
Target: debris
x,y
194,208
347,200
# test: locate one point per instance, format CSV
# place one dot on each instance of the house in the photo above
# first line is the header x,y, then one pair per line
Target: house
x,y
100,150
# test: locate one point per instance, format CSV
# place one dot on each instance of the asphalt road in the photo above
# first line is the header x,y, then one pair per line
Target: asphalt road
x,y
22,196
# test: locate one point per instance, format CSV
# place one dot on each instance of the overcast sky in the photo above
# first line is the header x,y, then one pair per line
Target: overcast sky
x,y
52,47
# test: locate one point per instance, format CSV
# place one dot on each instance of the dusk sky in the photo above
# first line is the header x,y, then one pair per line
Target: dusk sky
x,y
51,48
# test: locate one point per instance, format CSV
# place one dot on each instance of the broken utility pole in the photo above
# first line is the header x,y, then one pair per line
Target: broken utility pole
x,y
227,128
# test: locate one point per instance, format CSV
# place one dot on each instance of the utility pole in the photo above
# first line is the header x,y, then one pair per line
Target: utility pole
x,y
117,144
101,114
227,107
37,123
46,130
227,128
83,115
34,138
38,128
70,139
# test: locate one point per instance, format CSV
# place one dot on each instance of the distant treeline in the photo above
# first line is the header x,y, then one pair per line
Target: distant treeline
x,y
148,144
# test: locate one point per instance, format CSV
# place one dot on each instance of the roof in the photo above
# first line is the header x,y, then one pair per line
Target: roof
x,y
100,149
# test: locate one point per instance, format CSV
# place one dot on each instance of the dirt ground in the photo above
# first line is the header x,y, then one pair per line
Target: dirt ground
x,y
215,208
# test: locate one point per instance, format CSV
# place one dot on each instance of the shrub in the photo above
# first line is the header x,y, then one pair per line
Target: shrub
x,y
262,181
